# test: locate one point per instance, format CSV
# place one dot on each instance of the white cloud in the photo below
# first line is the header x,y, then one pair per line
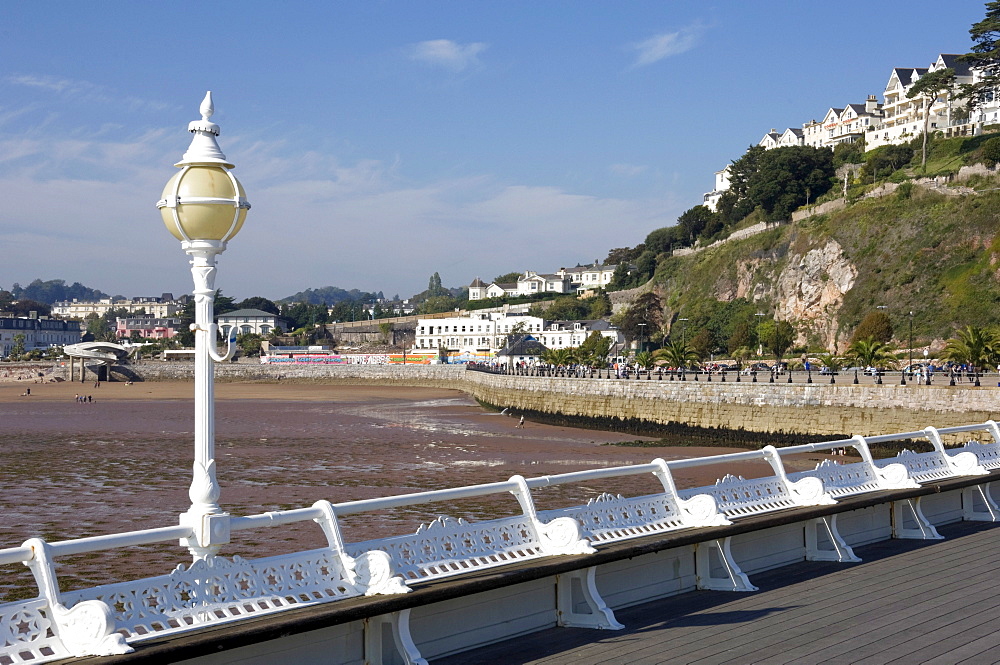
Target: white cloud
x,y
664,45
83,210
448,54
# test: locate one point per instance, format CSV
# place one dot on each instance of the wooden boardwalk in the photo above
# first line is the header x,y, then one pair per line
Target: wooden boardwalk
x,y
908,602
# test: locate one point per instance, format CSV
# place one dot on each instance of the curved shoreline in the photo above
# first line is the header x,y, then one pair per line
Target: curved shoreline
x,y
817,409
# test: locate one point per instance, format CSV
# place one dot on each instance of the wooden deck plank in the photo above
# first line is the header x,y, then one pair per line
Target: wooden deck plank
x,y
909,602
876,617
861,601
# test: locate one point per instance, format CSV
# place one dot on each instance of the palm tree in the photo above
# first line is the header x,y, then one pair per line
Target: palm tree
x,y
676,354
557,357
869,353
974,346
832,362
645,359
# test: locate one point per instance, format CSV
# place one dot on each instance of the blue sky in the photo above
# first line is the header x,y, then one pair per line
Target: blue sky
x,y
380,142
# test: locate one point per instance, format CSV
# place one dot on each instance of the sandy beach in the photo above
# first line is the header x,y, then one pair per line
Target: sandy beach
x,y
122,461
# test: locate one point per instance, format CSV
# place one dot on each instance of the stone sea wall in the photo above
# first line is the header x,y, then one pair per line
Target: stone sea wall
x,y
817,409
427,376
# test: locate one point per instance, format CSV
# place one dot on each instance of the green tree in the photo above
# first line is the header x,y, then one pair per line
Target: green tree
x,y
972,345
676,354
788,178
876,325
25,306
17,349
741,355
559,357
643,317
249,343
885,160
506,278
594,350
849,153
645,359
434,287
663,240
831,361
702,344
695,221
985,56
258,302
991,151
871,353
386,330
620,255
437,304
599,306
98,328
742,336
781,337
928,88
562,308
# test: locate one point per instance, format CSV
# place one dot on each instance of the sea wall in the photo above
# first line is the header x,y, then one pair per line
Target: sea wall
x,y
427,376
817,409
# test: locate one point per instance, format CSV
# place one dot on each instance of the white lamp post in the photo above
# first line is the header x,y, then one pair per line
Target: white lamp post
x,y
203,206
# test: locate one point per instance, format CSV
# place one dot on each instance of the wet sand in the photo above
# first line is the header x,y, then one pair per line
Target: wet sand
x,y
122,462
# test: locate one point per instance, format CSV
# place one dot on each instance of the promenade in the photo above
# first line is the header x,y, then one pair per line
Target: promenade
x,y
908,602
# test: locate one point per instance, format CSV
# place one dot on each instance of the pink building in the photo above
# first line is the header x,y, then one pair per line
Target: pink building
x,y
148,327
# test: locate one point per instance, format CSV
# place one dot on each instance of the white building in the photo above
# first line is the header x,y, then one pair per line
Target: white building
x,y
160,307
770,140
38,332
711,200
904,117
486,332
791,137
574,280
248,321
589,277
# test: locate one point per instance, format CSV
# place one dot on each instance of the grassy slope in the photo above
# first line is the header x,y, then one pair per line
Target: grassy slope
x,y
936,255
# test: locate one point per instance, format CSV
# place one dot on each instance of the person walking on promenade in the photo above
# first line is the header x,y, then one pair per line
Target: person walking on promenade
x,y
520,425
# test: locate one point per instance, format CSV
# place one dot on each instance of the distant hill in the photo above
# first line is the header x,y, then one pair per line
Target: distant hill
x,y
55,290
331,295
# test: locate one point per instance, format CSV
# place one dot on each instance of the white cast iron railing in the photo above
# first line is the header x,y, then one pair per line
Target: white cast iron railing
x,y
106,619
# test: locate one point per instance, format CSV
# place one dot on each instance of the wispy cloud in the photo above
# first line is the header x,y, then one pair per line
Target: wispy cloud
x,y
79,89
52,84
664,45
448,54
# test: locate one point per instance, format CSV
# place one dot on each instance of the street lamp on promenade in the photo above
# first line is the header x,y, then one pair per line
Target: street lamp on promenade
x,y
642,333
910,350
684,330
760,342
203,205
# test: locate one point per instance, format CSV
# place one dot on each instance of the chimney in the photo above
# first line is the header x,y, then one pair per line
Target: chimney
x,y
33,315
871,104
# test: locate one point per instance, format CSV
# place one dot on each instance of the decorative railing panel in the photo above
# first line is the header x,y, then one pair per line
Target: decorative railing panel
x,y
449,546
28,635
215,589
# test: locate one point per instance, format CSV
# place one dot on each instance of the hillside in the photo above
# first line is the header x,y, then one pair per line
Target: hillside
x,y
916,249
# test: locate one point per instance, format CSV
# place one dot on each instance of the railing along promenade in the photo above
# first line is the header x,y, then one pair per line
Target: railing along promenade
x,y
950,378
697,525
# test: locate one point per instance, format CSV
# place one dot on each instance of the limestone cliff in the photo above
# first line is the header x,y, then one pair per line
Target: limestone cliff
x,y
915,250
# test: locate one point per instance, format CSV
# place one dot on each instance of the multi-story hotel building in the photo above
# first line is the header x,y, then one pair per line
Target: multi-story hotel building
x,y
39,333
